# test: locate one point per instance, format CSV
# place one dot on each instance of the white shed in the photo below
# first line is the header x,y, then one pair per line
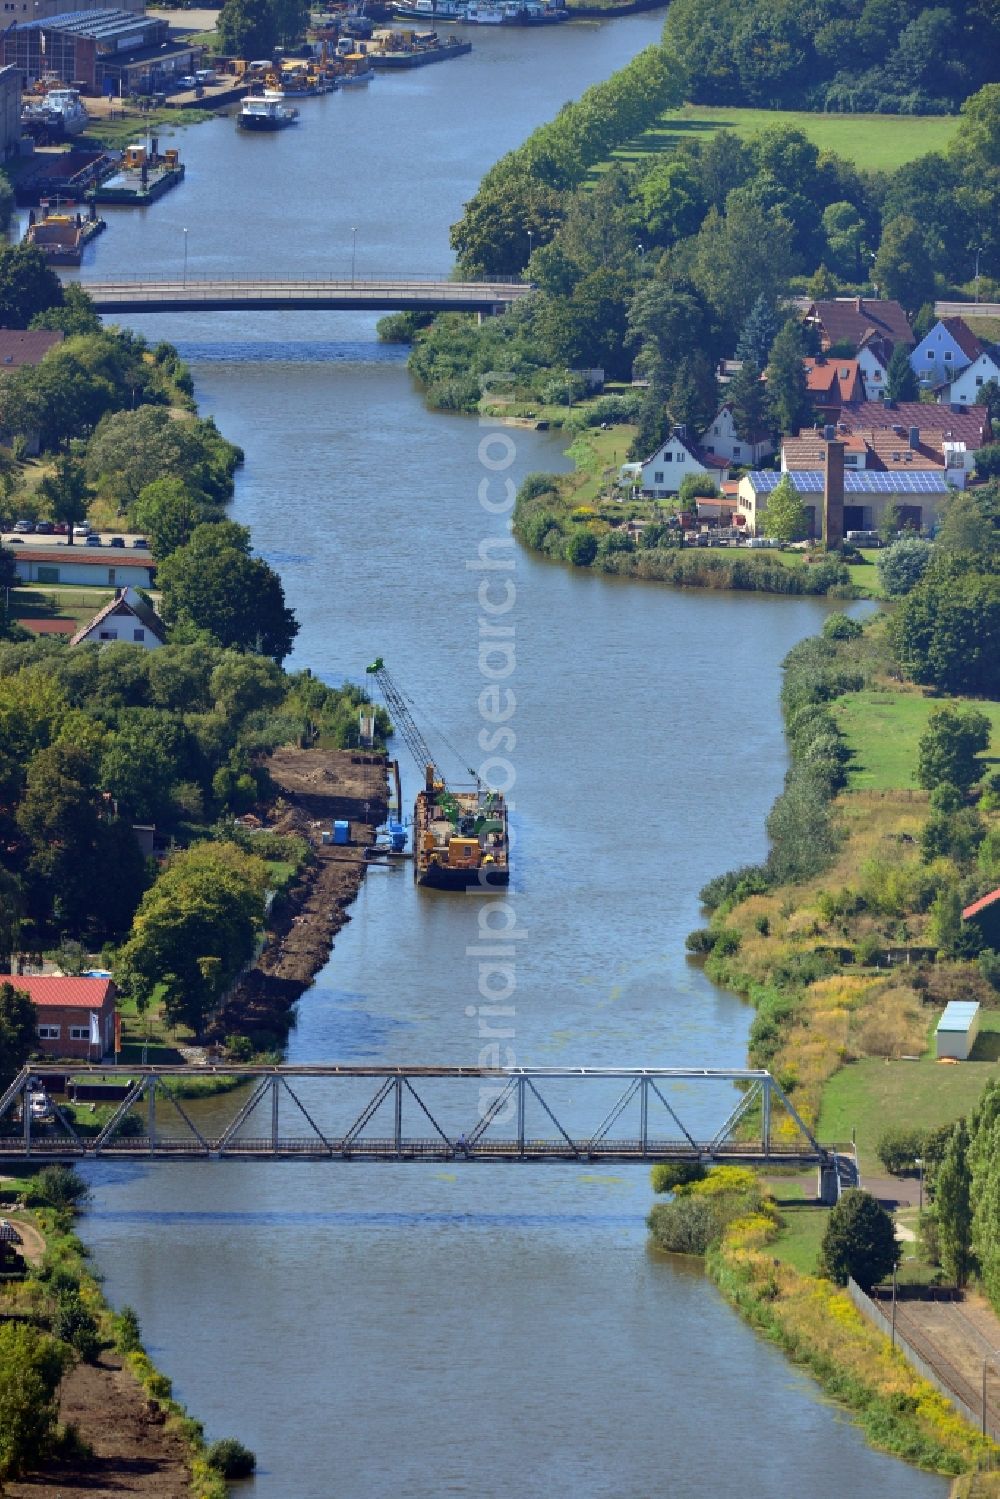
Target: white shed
x,y
957,1029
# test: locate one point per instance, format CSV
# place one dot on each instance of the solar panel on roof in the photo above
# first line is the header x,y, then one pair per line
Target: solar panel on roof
x,y
810,481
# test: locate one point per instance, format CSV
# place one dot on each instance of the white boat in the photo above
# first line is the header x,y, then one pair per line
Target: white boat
x,y
63,107
353,80
266,111
486,13
430,10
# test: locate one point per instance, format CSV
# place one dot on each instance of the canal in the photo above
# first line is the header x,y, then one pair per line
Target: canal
x,y
375,1329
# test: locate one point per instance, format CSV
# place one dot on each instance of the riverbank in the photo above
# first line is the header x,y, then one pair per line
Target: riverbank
x,y
315,788
119,1429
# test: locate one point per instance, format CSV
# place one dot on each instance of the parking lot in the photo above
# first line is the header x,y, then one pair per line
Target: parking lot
x,y
82,537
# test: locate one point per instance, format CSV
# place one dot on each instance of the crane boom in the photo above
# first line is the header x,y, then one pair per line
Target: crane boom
x,y
403,721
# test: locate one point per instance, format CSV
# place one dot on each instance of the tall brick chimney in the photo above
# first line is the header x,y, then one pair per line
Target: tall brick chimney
x,y
833,494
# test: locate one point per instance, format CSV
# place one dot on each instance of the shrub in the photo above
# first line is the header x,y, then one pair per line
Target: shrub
x,y
581,549
897,1149
60,1187
230,1458
841,627
667,1176
688,1225
902,565
127,1335
75,1325
700,941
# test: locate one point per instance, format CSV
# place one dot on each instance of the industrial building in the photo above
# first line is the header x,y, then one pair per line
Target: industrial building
x,y
113,52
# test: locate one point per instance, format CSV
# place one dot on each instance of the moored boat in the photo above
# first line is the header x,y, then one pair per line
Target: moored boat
x,y
430,10
266,111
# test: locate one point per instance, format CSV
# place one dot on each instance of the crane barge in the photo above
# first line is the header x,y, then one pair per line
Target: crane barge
x,y
460,835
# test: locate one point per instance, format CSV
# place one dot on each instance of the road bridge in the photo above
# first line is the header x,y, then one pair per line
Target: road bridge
x,y
297,294
339,1112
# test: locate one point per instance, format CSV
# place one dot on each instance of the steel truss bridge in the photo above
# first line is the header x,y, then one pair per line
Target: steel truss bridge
x,y
289,294
332,1112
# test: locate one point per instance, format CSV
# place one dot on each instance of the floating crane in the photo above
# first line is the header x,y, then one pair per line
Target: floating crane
x,y
460,836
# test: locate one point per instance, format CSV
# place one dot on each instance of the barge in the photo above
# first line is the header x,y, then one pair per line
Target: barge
x,y
144,175
61,237
414,49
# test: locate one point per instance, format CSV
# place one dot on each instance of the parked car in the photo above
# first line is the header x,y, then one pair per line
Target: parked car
x,y
61,528
24,526
117,541
44,527
140,541
81,530
93,540
16,541
187,81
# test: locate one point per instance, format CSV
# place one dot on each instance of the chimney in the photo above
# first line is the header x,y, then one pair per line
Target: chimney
x,y
859,303
833,495
829,433
914,437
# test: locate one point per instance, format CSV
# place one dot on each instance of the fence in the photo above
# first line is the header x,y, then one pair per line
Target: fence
x,y
877,1315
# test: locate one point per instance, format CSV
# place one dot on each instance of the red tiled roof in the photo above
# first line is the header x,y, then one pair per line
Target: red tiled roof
x,y
850,319
53,989
981,904
48,626
838,378
26,346
125,602
971,426
963,335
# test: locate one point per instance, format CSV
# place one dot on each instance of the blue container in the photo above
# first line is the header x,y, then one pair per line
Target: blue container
x,y
341,832
397,837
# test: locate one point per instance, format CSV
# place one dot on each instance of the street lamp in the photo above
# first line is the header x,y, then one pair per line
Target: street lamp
x,y
531,239
185,233
354,252
979,251
918,1162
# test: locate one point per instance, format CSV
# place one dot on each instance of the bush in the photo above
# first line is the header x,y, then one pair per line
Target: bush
x,y
902,565
127,1335
667,1176
897,1149
689,1225
60,1187
75,1325
230,1458
581,549
841,627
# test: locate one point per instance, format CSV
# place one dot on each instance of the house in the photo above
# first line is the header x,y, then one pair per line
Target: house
x,y
949,347
673,460
20,346
850,320
831,382
965,390
884,450
721,440
858,500
874,353
126,617
76,1016
103,566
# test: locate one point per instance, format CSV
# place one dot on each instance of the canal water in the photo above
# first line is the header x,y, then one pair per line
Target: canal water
x,y
486,1330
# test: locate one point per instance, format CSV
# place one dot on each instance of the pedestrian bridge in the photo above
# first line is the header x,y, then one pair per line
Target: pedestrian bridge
x,y
295,294
334,1112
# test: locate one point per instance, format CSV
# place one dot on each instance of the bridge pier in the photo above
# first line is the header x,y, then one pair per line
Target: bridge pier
x,y
827,1183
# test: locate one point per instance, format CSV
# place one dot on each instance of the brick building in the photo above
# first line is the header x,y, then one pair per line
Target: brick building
x,y
76,1016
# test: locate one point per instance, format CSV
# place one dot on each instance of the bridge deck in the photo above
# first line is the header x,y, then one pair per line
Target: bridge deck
x,y
359,294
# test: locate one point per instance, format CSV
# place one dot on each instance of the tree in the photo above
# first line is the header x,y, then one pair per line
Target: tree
x,y
785,518
987,461
194,930
988,395
131,449
902,565
901,383
965,532
74,315
66,493
247,28
953,1206
859,1242
167,513
946,633
581,549
18,1017
746,393
28,285
845,232
949,747
903,269
985,1154
740,256
503,222
31,1367
214,584
672,202
693,399
787,392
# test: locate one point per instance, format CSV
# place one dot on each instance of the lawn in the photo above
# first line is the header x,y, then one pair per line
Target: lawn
x,y
804,1222
870,1095
129,124
878,142
883,730
80,604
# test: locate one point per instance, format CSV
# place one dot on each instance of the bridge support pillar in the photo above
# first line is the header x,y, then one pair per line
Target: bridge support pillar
x,y
827,1187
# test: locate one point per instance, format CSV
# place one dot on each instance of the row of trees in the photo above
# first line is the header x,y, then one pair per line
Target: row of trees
x,y
864,56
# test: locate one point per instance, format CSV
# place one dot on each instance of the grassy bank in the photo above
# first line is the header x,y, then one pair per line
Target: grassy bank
x,y
64,1272
818,1327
